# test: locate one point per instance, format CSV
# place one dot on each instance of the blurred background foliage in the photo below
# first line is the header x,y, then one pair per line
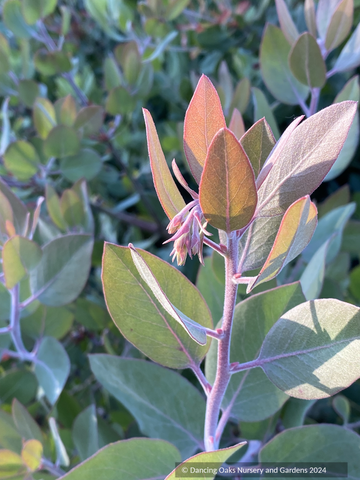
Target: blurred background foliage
x,y
74,76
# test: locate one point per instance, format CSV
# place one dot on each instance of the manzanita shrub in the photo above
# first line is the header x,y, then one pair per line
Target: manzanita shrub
x,y
237,351
256,193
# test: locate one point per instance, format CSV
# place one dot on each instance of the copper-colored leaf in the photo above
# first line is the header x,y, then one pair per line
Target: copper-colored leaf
x,y
258,142
237,124
227,190
166,189
204,118
295,232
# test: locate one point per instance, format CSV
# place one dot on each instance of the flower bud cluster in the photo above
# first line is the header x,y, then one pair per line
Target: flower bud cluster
x,y
189,225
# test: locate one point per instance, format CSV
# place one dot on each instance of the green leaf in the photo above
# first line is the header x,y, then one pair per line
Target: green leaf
x,y
91,315
196,331
4,54
258,142
355,282
48,321
44,117
286,23
99,10
315,444
339,198
161,412
296,229
68,111
261,430
19,384
324,13
28,92
120,102
306,61
85,433
71,208
250,395
342,407
340,24
86,164
80,188
61,142
241,96
227,191
351,237
62,273
18,208
294,412
89,120
9,437
166,189
20,255
66,19
205,458
134,459
11,465
332,222
203,119
14,19
350,55
53,207
34,10
350,91
225,86
174,8
112,74
31,454
161,46
21,159
25,424
211,289
274,52
312,278
127,54
310,17
263,110
52,368
52,63
157,334
308,351
6,216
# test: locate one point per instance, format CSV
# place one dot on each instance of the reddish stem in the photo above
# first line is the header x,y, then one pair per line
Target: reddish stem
x,y
223,363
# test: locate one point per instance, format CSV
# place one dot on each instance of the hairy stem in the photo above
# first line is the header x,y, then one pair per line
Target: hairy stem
x,y
15,330
51,46
128,218
52,468
202,379
315,94
223,363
